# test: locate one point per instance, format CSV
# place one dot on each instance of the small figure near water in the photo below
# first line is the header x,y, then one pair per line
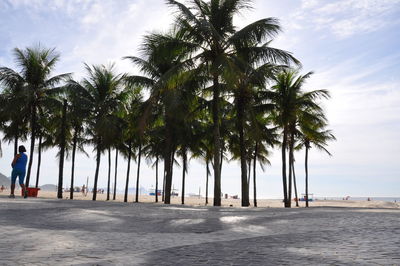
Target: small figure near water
x,y
19,168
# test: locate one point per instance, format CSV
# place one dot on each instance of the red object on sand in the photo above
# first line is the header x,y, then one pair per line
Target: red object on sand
x,y
32,192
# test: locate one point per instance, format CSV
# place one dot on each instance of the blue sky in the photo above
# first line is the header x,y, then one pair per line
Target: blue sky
x,y
351,45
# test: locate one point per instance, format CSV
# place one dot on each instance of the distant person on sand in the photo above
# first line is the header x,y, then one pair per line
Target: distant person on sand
x,y
19,168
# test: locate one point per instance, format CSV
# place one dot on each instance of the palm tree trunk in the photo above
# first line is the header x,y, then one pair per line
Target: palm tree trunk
x,y
216,140
115,177
248,175
254,174
168,163
221,161
39,161
16,144
183,177
294,184
291,144
163,190
168,177
32,149
75,140
127,171
207,172
109,173
243,159
96,175
156,192
284,180
62,150
306,169
138,172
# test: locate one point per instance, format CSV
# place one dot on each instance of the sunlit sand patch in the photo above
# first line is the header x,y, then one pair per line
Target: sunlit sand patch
x,y
233,219
98,215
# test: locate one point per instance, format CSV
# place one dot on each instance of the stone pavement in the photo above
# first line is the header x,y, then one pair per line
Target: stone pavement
x,y
65,232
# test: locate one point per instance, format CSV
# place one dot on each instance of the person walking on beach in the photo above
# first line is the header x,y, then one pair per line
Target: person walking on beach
x,y
19,168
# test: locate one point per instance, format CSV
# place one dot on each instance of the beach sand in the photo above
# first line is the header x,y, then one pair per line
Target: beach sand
x,y
196,201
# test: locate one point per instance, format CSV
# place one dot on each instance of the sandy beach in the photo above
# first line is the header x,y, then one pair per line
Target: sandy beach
x,y
196,201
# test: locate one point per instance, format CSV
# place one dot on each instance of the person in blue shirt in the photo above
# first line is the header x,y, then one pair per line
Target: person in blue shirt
x,y
18,170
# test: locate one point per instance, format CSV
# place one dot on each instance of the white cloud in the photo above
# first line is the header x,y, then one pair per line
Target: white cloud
x,y
345,18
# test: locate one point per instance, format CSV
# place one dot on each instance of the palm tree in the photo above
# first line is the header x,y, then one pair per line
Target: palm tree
x,y
209,27
36,65
291,102
78,112
162,67
131,129
45,135
14,112
155,144
313,132
102,93
262,138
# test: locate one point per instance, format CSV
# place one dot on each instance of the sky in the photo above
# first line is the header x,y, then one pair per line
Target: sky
x,y
351,45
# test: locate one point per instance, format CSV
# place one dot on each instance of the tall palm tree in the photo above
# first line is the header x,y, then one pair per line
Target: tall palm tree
x,y
209,26
36,66
102,92
131,130
162,66
291,102
78,113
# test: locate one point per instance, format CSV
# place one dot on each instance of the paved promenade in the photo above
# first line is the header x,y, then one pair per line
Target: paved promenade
x,y
65,232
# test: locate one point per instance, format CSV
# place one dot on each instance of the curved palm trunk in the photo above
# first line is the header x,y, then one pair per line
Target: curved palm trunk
x,y
127,172
115,177
156,192
183,177
294,184
138,172
216,140
96,175
306,169
62,150
284,180
254,174
109,174
33,136
39,161
207,172
75,140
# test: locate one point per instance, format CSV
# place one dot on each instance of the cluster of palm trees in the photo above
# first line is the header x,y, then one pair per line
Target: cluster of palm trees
x,y
206,90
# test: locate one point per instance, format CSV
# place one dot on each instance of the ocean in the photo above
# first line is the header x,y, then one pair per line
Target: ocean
x,y
388,199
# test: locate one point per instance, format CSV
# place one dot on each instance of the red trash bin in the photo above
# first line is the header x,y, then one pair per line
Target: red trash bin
x,y
32,192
